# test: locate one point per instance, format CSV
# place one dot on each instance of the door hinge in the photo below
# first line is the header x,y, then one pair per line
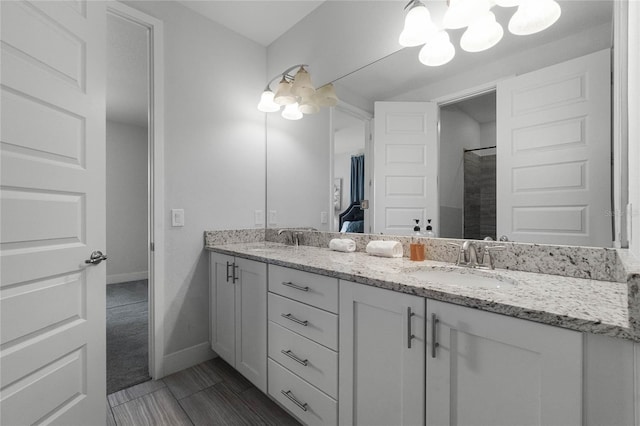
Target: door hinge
x,y
152,246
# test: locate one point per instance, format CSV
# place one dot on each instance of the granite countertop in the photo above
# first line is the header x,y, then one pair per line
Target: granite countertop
x,y
594,306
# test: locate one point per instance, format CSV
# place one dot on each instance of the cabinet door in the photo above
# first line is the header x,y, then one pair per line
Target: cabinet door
x,y
251,321
381,379
492,369
223,297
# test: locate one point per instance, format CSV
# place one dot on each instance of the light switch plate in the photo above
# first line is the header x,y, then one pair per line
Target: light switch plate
x,y
177,217
273,217
324,217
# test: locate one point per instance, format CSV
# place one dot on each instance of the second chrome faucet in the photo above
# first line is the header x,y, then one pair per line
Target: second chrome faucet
x,y
474,255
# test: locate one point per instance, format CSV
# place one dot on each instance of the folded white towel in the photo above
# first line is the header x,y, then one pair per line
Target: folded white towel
x,y
342,244
385,248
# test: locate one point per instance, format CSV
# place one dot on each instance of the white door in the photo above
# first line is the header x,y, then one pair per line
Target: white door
x,y
251,322
490,369
554,154
382,376
406,166
223,305
52,303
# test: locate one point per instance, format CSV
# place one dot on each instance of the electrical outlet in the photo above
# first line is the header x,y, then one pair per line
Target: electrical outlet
x,y
324,217
259,217
273,217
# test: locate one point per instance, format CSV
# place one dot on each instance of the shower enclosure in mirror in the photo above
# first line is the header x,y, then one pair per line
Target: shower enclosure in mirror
x,y
551,129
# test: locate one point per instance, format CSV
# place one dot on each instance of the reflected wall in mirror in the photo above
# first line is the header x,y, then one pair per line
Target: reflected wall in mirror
x,y
584,28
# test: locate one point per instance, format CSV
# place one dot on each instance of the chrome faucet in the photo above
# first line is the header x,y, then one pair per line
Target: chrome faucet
x,y
476,256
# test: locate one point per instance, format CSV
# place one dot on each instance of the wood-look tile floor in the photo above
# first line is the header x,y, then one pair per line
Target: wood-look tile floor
x,y
211,393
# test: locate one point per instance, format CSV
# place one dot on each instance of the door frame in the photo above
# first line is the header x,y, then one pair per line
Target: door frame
x,y
155,191
366,118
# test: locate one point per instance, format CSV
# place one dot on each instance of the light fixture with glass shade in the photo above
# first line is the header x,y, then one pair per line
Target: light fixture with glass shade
x,y
297,94
482,32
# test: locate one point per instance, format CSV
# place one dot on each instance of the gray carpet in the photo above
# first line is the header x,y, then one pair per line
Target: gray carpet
x,y
127,335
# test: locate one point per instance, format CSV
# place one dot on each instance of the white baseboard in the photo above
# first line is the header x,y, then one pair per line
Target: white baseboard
x,y
187,358
130,276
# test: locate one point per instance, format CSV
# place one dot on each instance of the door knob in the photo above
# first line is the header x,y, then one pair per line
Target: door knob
x,y
96,257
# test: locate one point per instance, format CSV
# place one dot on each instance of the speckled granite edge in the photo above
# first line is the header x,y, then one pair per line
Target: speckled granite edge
x,y
598,307
631,266
231,236
596,263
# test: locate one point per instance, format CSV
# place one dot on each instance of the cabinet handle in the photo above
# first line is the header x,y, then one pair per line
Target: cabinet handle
x,y
410,336
297,287
434,343
229,275
294,319
236,277
293,399
293,356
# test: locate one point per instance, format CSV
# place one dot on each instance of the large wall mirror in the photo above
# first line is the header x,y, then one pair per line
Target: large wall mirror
x,y
513,141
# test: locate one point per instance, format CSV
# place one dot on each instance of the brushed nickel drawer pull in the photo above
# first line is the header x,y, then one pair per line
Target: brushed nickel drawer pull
x,y
410,336
294,357
236,275
293,399
294,319
434,343
229,275
292,285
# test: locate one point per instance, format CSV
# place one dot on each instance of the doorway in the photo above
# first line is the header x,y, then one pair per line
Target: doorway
x,y
468,167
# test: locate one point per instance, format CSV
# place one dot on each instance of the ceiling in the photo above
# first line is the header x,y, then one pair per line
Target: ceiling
x,y
262,21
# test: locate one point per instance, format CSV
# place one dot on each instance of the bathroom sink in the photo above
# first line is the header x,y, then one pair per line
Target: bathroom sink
x,y
269,248
463,277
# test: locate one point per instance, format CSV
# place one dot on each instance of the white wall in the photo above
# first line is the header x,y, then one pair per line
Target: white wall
x,y
488,134
298,158
214,156
127,216
634,124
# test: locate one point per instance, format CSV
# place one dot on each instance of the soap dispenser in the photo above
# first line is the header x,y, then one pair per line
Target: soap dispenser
x,y
416,229
429,230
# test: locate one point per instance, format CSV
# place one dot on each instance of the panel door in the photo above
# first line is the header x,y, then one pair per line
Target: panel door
x,y
52,304
251,322
381,379
405,166
554,154
491,369
223,305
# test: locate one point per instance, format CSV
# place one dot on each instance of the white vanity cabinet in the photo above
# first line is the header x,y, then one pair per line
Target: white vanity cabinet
x,y
496,370
382,356
238,302
303,344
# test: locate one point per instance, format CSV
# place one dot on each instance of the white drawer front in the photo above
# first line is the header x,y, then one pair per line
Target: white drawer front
x,y
312,289
309,360
315,407
315,324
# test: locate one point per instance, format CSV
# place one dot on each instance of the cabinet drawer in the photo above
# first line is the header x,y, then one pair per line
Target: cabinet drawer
x,y
312,289
321,369
315,324
315,407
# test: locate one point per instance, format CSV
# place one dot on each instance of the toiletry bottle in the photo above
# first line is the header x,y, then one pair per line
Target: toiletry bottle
x,y
429,230
416,229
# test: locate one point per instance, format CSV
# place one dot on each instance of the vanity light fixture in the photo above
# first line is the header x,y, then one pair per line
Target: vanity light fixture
x,y
297,94
482,30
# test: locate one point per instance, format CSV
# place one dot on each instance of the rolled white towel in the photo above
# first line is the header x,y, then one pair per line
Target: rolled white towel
x,y
385,248
342,244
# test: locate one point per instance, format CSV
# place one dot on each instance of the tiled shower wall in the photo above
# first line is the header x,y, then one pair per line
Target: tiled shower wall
x,y
479,196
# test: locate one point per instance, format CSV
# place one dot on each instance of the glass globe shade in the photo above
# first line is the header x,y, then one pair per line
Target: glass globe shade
x,y
309,105
534,16
266,102
326,96
482,34
302,85
461,13
418,26
438,51
292,112
283,93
